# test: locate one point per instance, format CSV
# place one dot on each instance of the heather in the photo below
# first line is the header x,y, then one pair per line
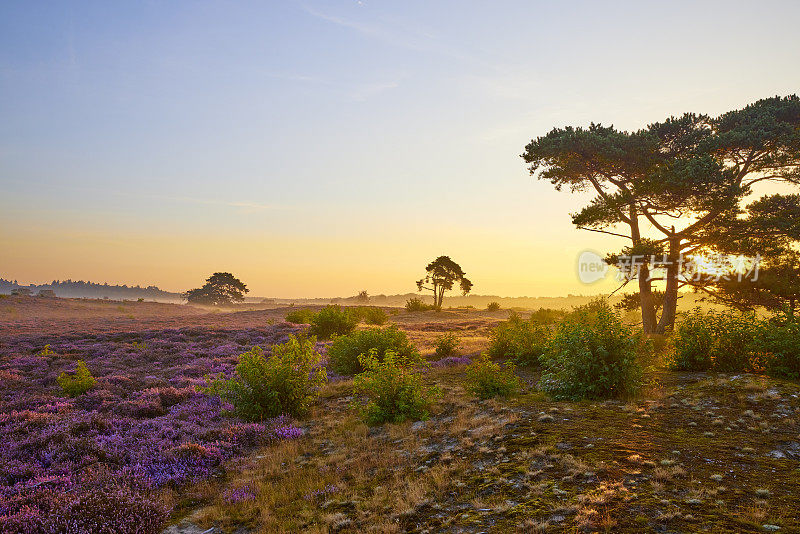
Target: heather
x,y
95,461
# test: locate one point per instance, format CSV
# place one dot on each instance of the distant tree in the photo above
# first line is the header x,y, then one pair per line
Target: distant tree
x,y
442,274
362,296
219,289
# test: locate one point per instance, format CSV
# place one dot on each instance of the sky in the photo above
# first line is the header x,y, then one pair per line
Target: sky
x,y
321,148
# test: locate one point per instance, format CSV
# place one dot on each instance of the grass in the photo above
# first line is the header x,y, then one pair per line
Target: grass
x,y
494,466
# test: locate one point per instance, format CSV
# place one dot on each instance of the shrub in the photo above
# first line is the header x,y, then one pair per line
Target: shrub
x,y
493,306
778,341
394,391
592,355
78,383
487,379
522,341
734,342
300,316
447,345
711,340
344,351
371,315
333,320
547,316
285,383
417,304
694,342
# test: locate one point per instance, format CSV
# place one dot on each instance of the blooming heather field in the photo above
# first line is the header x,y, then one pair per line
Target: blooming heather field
x,y
94,463
143,450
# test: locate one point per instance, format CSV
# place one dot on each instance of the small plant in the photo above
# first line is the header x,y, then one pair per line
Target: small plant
x,y
287,382
304,316
493,306
416,304
593,355
393,389
47,351
78,383
333,320
447,345
522,341
487,379
344,352
371,315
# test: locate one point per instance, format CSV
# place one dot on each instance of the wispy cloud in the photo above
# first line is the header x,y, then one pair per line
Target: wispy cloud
x,y
394,34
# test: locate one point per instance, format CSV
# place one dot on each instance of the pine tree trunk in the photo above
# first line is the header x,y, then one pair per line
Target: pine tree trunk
x,y
645,290
670,308
646,301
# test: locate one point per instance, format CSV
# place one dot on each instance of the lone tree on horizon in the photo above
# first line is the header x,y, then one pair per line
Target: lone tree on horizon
x,y
442,274
220,289
675,188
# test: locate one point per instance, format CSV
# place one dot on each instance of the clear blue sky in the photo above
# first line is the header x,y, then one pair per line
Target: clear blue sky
x,y
320,148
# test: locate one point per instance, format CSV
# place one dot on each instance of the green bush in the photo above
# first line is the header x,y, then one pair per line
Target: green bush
x,y
547,316
592,355
693,342
734,342
78,383
344,351
393,389
778,341
722,341
447,345
333,320
522,341
417,304
300,316
371,315
493,306
286,382
486,379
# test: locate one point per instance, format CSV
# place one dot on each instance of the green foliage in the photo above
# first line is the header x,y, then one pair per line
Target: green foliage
x,y
520,340
778,343
722,341
693,342
592,355
78,383
287,382
733,343
220,289
344,352
47,351
493,306
417,304
393,389
447,345
547,316
371,315
304,316
333,320
486,379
